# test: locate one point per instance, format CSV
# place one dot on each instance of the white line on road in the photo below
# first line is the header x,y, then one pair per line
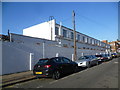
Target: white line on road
x,y
39,86
116,62
53,82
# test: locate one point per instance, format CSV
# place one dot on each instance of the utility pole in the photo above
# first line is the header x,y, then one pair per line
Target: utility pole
x,y
50,19
75,50
9,35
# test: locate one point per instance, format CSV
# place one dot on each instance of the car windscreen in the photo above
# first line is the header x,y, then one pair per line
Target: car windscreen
x,y
81,58
103,55
87,57
114,53
43,61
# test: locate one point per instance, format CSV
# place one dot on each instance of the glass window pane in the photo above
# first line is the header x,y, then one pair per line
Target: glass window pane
x,y
56,31
64,33
72,36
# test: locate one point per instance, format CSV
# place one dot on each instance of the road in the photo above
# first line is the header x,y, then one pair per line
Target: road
x,y
104,75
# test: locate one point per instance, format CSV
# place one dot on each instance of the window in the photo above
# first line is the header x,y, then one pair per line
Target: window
x,y
81,58
65,60
56,31
43,61
57,60
93,41
83,47
78,37
87,57
38,43
98,43
83,39
90,41
65,45
86,39
64,33
72,46
72,36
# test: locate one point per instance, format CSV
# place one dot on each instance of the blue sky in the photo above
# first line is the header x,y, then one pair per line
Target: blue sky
x,y
96,19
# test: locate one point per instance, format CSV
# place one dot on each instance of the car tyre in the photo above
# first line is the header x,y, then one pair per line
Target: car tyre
x,y
75,69
38,77
97,63
56,75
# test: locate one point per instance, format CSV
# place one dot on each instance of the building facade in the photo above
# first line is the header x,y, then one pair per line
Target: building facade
x,y
64,36
115,46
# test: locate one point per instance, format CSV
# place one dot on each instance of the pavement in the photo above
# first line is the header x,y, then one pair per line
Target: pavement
x,y
14,78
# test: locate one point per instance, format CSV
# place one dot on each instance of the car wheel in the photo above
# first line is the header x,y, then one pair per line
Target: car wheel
x,y
97,63
75,69
38,77
56,75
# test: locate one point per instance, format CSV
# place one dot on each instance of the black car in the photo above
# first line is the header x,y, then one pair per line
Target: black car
x,y
99,57
54,67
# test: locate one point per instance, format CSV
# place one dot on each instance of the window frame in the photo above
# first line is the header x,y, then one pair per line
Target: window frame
x,y
56,32
64,33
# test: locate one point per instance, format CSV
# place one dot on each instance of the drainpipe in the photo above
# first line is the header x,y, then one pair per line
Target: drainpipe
x,y
43,49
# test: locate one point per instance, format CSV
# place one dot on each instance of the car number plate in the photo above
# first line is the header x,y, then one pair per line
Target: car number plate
x,y
38,72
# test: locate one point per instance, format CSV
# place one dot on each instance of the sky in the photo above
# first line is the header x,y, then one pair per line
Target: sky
x,y
95,19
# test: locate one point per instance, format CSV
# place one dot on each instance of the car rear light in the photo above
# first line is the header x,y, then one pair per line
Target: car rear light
x,y
102,58
47,66
35,66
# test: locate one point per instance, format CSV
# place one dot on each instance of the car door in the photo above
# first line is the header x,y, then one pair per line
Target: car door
x,y
94,59
59,64
91,60
67,65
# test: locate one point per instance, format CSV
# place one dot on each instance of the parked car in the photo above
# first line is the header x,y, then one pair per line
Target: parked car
x,y
114,55
99,57
86,61
83,61
104,58
54,67
109,57
94,60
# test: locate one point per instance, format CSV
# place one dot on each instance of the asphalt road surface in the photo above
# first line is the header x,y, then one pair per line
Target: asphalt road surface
x,y
104,75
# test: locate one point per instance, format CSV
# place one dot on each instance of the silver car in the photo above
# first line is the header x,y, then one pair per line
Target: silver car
x,y
83,61
87,61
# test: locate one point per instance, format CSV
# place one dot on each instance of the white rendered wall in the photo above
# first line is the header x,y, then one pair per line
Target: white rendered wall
x,y
16,54
14,60
42,30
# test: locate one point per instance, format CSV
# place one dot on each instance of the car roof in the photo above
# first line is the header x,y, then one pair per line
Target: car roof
x,y
51,58
44,58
